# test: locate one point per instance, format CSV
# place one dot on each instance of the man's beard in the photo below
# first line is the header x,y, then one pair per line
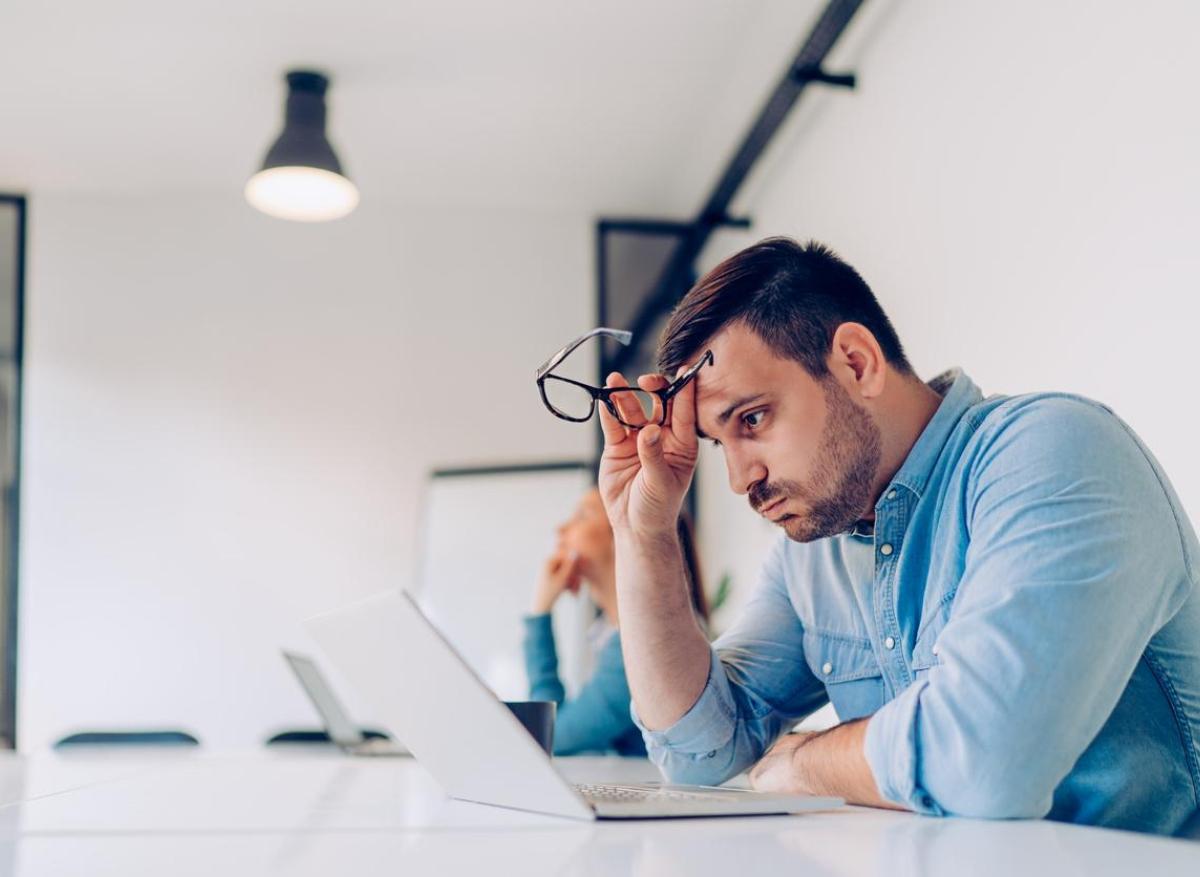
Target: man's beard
x,y
840,488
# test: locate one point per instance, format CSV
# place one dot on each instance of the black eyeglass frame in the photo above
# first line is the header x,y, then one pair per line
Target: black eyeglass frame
x,y
604,394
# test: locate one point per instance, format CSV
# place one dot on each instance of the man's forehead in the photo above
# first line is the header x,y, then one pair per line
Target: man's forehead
x,y
712,386
740,361
744,370
719,391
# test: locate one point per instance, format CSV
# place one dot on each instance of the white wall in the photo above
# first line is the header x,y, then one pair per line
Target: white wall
x,y
228,423
1020,185
229,418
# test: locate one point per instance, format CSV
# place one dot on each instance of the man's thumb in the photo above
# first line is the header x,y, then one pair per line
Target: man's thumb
x,y
650,447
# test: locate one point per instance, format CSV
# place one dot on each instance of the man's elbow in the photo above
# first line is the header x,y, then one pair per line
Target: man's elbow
x,y
978,797
701,769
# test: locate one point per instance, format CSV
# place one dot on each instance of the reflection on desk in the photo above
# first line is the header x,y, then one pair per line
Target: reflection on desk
x,y
323,813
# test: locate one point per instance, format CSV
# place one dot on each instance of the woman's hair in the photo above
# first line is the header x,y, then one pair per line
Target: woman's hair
x,y
691,565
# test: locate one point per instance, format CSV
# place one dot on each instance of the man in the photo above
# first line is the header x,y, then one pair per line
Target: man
x,y
999,596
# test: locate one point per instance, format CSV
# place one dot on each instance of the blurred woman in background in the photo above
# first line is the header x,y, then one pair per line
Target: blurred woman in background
x,y
598,718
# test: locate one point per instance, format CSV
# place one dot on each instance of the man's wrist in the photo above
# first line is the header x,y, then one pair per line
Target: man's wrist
x,y
799,762
645,539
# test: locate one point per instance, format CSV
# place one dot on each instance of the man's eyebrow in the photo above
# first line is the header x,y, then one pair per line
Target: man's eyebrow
x,y
728,412
745,400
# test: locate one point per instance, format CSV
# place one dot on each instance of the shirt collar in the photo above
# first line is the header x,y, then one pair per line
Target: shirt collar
x,y
958,394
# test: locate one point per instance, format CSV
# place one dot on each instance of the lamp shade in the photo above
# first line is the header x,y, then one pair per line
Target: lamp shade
x,y
301,177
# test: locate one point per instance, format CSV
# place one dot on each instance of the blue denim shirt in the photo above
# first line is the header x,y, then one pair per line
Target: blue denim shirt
x,y
1023,627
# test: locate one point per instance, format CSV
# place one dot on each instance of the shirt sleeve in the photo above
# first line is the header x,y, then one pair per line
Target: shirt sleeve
x,y
541,659
758,686
1076,559
599,715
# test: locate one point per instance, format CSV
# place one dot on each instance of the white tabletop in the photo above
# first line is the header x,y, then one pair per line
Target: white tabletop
x,y
313,811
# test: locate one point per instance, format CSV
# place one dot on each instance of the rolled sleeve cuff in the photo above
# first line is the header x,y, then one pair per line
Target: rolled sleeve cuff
x,y
538,626
893,751
704,728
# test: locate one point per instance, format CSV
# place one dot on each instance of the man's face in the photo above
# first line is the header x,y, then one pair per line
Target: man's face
x,y
802,450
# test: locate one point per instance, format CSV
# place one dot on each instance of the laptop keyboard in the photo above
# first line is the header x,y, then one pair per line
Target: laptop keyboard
x,y
602,793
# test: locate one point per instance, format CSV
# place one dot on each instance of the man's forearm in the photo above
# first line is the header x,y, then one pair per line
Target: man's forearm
x,y
828,763
834,762
666,654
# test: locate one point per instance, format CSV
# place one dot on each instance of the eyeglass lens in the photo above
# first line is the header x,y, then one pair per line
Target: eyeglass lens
x,y
567,398
632,401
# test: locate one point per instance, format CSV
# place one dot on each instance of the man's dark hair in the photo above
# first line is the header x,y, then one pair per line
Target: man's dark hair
x,y
793,296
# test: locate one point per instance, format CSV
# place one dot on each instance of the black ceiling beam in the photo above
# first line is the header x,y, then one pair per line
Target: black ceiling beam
x,y
805,70
638,225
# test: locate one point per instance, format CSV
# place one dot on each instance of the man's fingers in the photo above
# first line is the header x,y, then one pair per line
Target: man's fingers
x,y
683,410
652,383
650,452
614,432
627,405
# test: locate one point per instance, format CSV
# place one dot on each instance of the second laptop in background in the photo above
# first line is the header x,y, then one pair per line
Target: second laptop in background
x,y
338,725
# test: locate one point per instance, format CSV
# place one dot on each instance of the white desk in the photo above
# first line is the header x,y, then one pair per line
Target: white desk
x,y
320,813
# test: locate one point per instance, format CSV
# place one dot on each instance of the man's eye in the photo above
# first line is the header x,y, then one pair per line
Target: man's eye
x,y
754,418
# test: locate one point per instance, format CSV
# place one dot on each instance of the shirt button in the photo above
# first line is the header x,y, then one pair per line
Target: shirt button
x,y
891,494
827,668
885,549
889,643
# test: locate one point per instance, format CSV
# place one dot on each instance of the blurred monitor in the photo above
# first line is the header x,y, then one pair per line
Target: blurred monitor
x,y
486,534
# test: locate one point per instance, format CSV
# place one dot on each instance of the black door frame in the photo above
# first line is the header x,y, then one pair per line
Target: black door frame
x,y
10,574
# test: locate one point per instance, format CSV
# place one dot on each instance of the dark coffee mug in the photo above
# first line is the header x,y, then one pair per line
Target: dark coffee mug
x,y
537,717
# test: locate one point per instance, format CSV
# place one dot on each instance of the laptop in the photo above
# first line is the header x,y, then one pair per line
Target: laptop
x,y
338,725
473,745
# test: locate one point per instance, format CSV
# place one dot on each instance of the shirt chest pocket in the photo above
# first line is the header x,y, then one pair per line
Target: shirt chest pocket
x,y
849,670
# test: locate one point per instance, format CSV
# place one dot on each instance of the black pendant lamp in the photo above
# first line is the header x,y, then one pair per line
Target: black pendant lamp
x,y
301,177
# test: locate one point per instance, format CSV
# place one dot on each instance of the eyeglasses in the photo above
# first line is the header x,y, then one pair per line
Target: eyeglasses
x,y
575,401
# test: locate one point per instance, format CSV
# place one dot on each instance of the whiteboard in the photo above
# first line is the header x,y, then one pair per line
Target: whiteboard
x,y
485,535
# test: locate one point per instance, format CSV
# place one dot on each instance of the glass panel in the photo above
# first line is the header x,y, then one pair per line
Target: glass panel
x,y
635,262
567,398
9,219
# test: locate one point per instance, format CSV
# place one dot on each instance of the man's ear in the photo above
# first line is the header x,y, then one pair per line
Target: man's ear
x,y
857,360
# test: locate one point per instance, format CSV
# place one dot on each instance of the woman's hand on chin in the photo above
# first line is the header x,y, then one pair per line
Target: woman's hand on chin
x,y
560,573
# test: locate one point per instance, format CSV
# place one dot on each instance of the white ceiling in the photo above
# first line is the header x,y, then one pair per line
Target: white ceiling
x,y
607,106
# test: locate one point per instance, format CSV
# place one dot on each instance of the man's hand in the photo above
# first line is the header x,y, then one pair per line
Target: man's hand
x,y
777,770
645,473
559,573
828,763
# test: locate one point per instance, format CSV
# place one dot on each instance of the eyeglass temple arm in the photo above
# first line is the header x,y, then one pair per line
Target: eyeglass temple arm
x,y
620,335
682,381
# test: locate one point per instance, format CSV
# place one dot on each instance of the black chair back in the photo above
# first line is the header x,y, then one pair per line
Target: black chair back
x,y
128,738
308,736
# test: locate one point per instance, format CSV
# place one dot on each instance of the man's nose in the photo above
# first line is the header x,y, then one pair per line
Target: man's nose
x,y
744,472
